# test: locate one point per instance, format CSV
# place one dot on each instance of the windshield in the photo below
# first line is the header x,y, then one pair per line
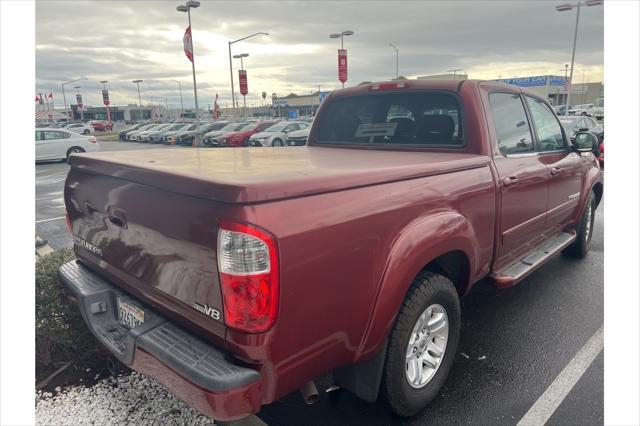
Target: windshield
x,y
599,103
278,127
232,127
177,127
416,119
249,127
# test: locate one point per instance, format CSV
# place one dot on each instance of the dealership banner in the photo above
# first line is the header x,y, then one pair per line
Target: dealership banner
x,y
242,77
535,81
79,100
342,65
188,43
105,97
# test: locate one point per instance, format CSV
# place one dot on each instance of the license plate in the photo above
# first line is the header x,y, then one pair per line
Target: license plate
x,y
128,314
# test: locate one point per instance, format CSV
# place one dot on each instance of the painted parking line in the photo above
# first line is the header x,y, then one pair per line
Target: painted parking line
x,y
551,399
49,220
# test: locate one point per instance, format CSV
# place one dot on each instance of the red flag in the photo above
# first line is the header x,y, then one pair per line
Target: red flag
x,y
188,44
50,95
242,77
342,65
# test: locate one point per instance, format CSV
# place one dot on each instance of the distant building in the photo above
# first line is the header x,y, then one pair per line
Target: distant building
x,y
552,87
448,76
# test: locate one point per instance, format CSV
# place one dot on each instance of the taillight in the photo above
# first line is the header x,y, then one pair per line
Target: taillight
x,y
92,140
248,266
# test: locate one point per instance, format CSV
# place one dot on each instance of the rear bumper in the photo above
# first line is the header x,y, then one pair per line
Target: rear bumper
x,y
198,373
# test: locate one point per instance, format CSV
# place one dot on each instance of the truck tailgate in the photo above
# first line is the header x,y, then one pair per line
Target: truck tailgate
x,y
158,245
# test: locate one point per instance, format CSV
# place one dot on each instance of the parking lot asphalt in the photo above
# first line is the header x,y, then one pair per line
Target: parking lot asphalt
x,y
514,342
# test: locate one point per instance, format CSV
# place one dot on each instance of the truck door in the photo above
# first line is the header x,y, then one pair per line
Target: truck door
x,y
522,175
564,166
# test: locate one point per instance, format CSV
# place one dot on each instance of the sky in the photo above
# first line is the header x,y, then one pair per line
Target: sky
x,y
121,41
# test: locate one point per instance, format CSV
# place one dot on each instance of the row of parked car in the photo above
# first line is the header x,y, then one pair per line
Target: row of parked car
x,y
222,133
595,109
79,127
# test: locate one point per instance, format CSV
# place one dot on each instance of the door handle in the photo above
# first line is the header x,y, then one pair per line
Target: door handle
x,y
511,180
555,171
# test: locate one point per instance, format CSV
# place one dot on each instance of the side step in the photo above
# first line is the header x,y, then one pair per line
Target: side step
x,y
519,269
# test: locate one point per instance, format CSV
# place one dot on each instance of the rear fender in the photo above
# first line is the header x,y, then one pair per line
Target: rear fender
x,y
592,182
422,241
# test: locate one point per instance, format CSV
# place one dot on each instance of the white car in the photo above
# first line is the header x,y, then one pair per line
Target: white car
x,y
59,144
81,128
598,109
584,109
276,135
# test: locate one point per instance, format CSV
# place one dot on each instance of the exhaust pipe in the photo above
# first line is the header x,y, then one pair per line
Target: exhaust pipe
x,y
309,393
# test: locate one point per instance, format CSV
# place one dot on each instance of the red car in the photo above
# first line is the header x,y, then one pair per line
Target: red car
x,y
102,126
601,155
407,194
241,137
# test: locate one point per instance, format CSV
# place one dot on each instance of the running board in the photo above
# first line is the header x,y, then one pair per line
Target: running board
x,y
519,269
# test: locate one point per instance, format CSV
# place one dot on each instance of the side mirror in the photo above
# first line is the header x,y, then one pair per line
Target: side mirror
x,y
585,142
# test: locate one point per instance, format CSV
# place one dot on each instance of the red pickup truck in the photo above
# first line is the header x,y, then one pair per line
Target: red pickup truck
x,y
347,256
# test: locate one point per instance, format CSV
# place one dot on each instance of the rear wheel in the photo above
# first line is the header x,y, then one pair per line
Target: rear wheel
x,y
422,344
580,247
73,150
277,142
86,132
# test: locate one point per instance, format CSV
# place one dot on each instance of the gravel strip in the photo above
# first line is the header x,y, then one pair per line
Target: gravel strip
x,y
126,399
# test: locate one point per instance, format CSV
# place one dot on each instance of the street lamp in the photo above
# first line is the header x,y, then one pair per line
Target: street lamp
x,y
563,8
341,37
192,4
138,83
233,93
181,104
244,98
65,97
397,54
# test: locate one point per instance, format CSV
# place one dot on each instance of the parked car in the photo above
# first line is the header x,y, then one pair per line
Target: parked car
x,y
276,135
560,109
299,137
209,138
59,144
81,128
143,136
172,137
122,135
388,225
186,138
135,135
598,109
601,156
584,109
574,124
101,125
241,137
157,135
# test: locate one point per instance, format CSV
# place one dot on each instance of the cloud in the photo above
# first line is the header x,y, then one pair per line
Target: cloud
x,y
122,41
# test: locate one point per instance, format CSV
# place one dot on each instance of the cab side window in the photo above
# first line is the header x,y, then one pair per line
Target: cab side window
x,y
546,126
511,123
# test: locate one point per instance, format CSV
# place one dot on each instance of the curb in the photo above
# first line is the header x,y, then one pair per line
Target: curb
x,y
44,249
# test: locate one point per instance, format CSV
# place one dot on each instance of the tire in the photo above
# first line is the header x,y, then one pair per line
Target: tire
x,y
583,114
428,291
277,142
245,142
580,247
73,150
86,132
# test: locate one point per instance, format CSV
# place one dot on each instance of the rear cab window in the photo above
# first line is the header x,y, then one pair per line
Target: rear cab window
x,y
416,119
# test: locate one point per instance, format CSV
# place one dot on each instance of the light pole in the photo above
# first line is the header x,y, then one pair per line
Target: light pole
x,y
180,88
563,8
397,54
105,101
64,97
341,37
137,82
244,98
78,92
454,72
233,93
192,4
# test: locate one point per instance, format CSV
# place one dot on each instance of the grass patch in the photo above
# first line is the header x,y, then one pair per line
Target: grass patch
x,y
62,337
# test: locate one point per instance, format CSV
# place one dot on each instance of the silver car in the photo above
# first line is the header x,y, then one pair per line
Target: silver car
x,y
276,135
